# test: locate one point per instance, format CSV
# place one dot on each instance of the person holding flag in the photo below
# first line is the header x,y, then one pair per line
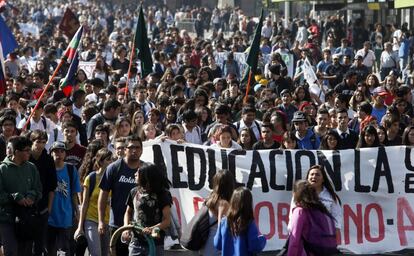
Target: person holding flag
x,y
69,55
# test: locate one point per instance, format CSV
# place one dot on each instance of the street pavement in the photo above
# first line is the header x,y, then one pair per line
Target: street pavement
x,y
273,253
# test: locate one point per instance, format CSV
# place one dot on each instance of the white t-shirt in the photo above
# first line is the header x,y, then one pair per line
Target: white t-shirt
x,y
368,60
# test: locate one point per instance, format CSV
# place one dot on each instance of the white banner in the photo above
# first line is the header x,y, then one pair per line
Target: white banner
x,y
88,67
29,28
375,185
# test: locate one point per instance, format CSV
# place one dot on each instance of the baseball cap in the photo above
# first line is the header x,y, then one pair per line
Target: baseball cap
x,y
57,145
299,116
379,91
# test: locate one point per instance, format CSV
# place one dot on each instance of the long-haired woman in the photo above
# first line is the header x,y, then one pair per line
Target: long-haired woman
x,y
138,120
311,224
319,179
98,243
218,204
87,165
238,234
149,204
246,138
408,136
330,141
382,135
368,138
122,128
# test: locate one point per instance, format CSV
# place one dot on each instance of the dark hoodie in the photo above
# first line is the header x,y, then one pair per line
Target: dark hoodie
x,y
16,183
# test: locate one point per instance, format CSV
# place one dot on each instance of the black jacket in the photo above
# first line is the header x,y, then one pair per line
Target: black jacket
x,y
47,173
351,140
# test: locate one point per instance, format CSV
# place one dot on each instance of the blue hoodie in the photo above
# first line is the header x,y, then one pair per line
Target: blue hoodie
x,y
310,141
247,244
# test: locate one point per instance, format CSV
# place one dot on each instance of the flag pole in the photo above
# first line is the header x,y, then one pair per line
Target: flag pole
x,y
43,93
248,86
129,69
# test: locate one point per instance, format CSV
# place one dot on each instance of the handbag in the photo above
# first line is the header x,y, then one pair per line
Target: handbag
x,y
196,233
27,222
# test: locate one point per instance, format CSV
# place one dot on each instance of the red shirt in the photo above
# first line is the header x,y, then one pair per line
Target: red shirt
x,y
75,155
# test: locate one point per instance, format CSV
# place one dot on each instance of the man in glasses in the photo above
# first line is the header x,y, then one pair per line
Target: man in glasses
x,y
118,180
20,187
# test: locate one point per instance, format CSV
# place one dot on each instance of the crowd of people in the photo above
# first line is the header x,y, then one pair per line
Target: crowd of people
x,y
76,159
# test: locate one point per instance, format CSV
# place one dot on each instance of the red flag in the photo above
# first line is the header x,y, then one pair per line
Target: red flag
x,y
69,23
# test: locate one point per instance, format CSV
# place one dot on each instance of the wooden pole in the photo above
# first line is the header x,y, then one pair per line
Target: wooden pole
x,y
248,86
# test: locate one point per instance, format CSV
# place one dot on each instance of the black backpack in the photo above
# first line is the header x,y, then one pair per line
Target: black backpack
x,y
196,233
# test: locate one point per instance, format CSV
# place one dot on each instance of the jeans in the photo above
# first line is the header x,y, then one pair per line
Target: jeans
x,y
40,241
11,246
58,239
98,245
137,249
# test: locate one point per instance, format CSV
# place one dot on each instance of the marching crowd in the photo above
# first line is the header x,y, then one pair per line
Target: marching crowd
x,y
70,171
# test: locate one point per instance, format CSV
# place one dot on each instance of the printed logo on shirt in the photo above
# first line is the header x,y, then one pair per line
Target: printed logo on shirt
x,y
62,187
124,179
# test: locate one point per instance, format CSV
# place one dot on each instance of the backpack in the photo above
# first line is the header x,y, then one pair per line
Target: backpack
x,y
196,233
322,237
43,122
55,131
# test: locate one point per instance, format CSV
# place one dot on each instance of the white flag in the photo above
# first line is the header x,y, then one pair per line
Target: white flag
x,y
312,80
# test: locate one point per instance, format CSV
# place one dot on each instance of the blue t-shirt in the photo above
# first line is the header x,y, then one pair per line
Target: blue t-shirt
x,y
62,211
378,113
119,181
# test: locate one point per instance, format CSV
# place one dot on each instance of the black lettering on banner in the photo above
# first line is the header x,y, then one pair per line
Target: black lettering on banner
x,y
232,164
289,170
272,182
224,160
382,169
335,172
158,157
409,182
257,163
190,152
176,168
298,163
357,167
407,160
211,166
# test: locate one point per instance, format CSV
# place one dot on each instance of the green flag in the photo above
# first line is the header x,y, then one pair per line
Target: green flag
x,y
253,56
141,45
